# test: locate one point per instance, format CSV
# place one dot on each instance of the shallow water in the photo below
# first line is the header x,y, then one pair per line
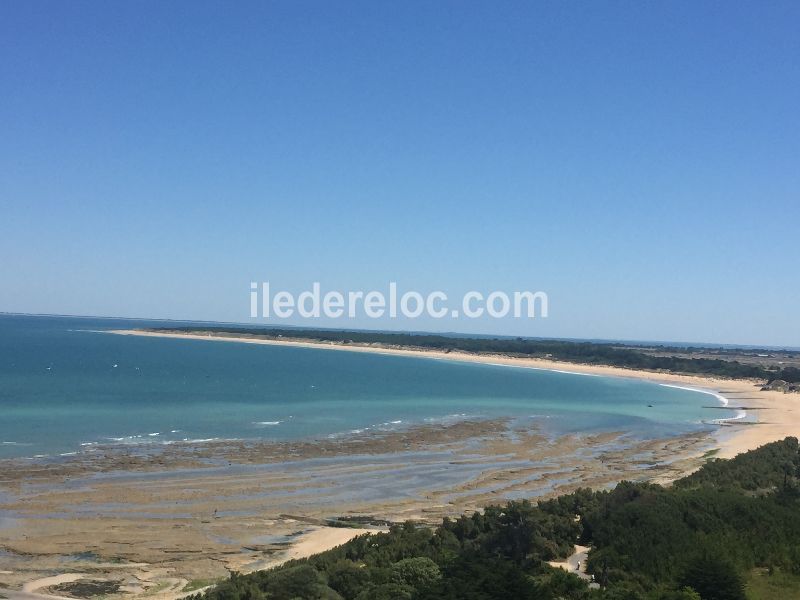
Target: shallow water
x,y
66,386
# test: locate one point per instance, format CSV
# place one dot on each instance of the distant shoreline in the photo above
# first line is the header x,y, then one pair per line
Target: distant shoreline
x,y
731,439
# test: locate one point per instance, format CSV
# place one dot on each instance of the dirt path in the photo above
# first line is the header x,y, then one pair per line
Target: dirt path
x,y
576,563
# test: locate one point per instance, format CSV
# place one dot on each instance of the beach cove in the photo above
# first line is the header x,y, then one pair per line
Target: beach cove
x,y
173,513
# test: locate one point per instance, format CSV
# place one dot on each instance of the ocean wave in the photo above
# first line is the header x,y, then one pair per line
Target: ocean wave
x,y
722,399
496,364
740,413
142,438
343,434
267,422
119,440
574,373
452,418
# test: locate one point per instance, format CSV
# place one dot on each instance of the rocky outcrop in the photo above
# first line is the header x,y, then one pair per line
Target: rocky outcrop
x,y
779,385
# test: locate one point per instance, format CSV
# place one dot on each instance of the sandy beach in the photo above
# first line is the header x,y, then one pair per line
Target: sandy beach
x,y
168,520
776,413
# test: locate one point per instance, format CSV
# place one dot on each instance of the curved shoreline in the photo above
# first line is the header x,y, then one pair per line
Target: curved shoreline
x,y
741,413
219,506
733,437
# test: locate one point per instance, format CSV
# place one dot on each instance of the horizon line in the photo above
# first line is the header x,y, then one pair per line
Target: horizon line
x,y
628,342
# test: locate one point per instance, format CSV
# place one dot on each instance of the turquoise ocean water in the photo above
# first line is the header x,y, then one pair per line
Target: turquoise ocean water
x,y
67,386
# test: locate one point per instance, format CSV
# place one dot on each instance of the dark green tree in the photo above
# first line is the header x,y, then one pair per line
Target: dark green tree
x,y
347,578
415,572
714,578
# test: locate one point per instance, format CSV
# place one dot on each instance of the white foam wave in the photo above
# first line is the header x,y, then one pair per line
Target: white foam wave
x,y
722,399
573,373
127,438
448,419
740,413
496,364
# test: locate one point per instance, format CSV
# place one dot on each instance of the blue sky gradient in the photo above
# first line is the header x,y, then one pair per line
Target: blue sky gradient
x,y
639,162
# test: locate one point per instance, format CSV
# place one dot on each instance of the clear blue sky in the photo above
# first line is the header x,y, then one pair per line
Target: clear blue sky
x,y
638,161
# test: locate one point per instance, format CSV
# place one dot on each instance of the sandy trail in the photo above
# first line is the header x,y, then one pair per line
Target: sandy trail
x,y
18,595
575,563
28,591
46,582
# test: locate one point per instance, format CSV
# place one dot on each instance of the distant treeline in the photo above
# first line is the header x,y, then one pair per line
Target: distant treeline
x,y
732,524
590,353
